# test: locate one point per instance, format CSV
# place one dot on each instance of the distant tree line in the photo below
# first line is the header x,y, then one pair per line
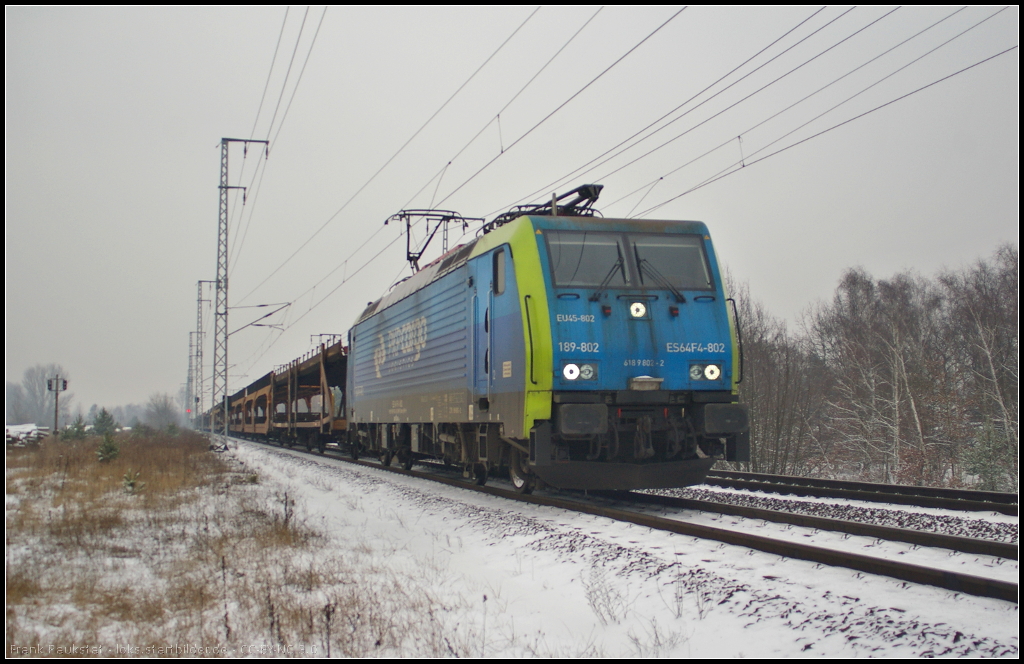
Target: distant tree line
x,y
30,402
908,379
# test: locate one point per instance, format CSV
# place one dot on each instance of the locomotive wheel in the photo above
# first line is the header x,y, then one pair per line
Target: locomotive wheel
x,y
521,481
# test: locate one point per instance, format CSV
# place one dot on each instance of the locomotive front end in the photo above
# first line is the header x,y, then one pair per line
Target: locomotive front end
x,y
644,359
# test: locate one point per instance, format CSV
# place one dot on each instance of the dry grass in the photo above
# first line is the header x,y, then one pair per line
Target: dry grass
x,y
198,553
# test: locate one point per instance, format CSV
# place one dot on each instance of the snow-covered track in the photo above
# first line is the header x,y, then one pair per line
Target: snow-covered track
x,y
897,494
910,536
950,580
955,581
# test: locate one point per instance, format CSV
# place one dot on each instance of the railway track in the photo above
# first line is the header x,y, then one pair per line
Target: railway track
x,y
950,580
953,499
906,535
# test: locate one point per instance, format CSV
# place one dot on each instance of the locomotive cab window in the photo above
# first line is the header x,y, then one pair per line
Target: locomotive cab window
x,y
678,259
499,272
583,259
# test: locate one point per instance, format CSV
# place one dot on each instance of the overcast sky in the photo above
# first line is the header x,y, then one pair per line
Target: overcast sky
x,y
114,118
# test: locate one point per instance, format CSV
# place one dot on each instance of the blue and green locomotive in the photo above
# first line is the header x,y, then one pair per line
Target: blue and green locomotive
x,y
573,350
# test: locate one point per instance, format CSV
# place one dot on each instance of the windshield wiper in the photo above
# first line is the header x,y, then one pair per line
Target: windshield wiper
x,y
607,280
659,278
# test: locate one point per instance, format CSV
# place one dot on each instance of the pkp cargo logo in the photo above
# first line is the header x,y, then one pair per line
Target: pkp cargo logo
x,y
400,347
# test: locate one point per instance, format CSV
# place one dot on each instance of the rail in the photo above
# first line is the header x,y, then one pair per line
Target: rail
x,y
950,580
899,494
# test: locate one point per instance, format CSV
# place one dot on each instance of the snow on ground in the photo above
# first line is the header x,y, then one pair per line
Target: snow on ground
x,y
533,580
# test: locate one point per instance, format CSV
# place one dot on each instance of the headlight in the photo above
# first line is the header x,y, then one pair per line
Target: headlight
x,y
588,372
638,310
705,372
571,372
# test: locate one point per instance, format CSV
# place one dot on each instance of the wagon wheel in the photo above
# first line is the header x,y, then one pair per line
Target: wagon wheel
x,y
405,458
353,451
522,482
309,443
385,457
479,474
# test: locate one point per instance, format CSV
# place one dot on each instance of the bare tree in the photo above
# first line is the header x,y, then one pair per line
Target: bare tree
x,y
778,387
32,402
162,411
983,336
922,375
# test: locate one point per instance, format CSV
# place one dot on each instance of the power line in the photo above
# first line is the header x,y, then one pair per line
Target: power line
x,y
825,131
574,173
235,248
733,105
288,72
497,116
521,90
266,85
562,105
793,105
289,325
259,110
252,208
299,79
375,256
755,92
392,158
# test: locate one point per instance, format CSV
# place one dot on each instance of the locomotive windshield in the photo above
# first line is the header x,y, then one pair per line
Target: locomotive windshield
x,y
678,258
587,259
582,259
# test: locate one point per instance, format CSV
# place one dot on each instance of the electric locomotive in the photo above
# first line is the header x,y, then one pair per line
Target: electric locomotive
x,y
571,349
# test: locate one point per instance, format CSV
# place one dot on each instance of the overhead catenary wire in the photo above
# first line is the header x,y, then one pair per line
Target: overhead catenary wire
x,y
288,72
749,96
233,226
235,246
313,306
740,101
440,174
552,185
829,110
299,80
392,158
263,162
444,168
825,131
750,161
794,104
562,105
497,117
266,85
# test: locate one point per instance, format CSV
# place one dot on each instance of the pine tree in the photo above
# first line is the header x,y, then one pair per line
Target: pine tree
x,y
76,431
105,424
108,449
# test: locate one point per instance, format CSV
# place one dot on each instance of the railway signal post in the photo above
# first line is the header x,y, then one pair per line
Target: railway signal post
x,y
56,385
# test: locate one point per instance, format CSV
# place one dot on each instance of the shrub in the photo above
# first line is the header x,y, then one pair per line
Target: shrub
x,y
76,431
108,449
